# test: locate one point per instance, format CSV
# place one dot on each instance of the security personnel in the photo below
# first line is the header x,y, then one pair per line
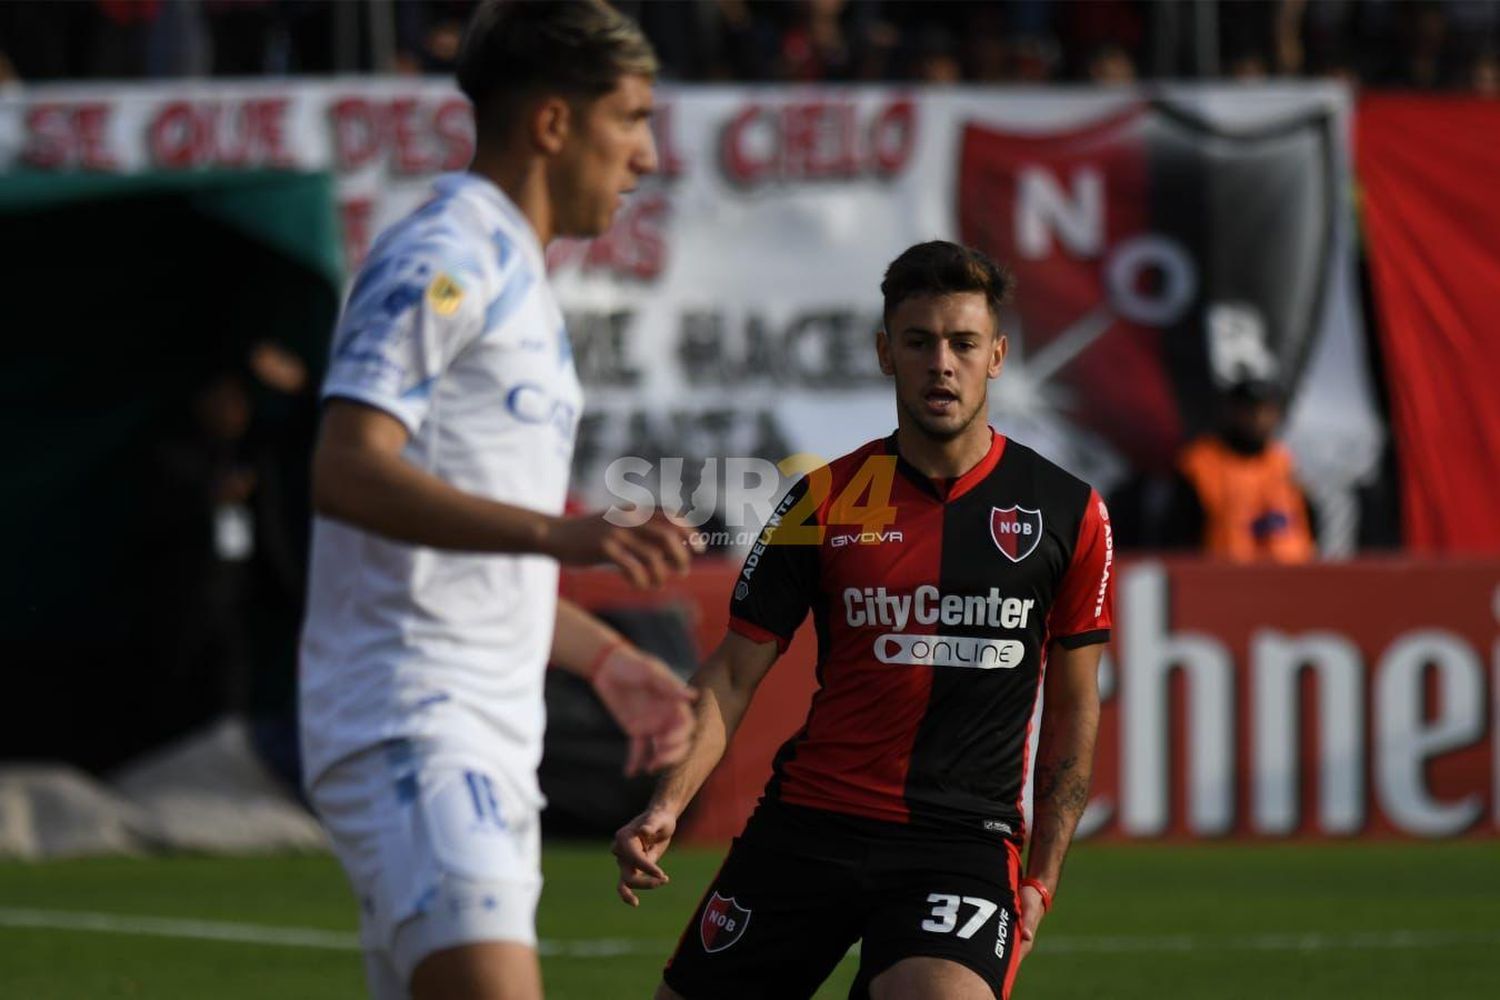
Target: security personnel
x,y
1237,495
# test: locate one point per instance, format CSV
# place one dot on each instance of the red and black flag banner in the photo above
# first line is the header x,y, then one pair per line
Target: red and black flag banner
x,y
1165,250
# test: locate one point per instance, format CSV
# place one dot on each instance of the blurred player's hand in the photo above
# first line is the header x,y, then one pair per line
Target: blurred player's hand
x,y
650,703
637,847
646,554
1032,912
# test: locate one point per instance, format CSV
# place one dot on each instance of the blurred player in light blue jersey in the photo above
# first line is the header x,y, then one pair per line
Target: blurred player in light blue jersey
x,y
439,482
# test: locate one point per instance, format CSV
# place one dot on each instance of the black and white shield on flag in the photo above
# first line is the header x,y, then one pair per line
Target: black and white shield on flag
x,y
724,922
1016,531
1156,252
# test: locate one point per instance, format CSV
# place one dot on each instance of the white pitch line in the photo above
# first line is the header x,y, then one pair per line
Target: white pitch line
x,y
294,937
308,937
1307,941
204,930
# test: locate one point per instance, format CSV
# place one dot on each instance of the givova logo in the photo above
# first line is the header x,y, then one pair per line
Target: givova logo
x,y
1004,922
865,538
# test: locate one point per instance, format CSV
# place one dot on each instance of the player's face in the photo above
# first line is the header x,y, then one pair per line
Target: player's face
x,y
609,147
942,351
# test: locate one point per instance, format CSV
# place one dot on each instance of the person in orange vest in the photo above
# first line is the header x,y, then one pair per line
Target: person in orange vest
x,y
1237,496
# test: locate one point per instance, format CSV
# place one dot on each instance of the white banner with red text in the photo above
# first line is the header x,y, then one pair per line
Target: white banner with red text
x,y
1163,239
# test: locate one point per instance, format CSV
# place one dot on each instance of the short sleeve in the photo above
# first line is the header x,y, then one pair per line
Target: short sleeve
x,y
411,311
1083,612
777,582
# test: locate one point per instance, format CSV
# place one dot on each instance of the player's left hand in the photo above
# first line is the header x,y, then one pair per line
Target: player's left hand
x,y
638,848
1032,912
650,703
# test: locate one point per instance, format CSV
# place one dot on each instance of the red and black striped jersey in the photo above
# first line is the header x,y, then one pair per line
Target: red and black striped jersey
x,y
934,604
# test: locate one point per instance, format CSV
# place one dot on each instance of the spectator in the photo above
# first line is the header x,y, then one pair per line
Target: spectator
x,y
1426,40
428,34
986,49
1484,74
120,41
813,46
935,59
1034,59
222,595
1248,67
1429,44
1088,27
202,536
750,41
1111,65
1249,32
875,48
242,33
1236,496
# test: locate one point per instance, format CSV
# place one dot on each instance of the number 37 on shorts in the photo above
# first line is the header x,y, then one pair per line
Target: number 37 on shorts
x,y
964,916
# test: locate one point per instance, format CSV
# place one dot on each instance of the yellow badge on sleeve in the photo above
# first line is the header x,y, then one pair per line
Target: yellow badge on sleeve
x,y
444,295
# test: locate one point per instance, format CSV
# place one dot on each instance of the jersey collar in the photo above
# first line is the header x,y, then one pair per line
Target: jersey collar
x,y
948,490
489,194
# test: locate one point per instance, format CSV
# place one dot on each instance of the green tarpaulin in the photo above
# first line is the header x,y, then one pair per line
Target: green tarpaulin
x,y
120,296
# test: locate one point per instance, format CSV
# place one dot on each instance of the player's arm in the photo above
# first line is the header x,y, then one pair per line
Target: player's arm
x,y
652,705
725,684
1080,620
1064,768
771,598
360,476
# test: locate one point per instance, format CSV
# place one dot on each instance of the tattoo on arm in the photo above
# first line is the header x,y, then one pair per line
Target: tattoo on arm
x,y
1060,796
1064,766
1063,785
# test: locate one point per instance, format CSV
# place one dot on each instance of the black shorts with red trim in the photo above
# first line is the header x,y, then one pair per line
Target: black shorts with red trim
x,y
802,885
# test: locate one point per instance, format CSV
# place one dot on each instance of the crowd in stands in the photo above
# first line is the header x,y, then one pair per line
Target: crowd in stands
x,y
1423,44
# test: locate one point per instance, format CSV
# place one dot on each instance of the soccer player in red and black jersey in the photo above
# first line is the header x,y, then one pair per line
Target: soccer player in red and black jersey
x,y
953,576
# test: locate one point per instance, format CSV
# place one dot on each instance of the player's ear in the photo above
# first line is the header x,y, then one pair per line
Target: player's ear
x,y
997,357
551,122
883,352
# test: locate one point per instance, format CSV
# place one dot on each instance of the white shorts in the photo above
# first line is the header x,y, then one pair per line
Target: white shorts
x,y
441,850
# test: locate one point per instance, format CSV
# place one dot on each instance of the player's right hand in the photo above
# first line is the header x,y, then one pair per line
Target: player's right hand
x,y
1032,912
637,847
646,554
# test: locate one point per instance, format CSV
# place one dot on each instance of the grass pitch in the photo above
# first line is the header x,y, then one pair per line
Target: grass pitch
x,y
1141,921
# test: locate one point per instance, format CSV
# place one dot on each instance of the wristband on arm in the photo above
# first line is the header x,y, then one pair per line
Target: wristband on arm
x,y
605,652
1041,890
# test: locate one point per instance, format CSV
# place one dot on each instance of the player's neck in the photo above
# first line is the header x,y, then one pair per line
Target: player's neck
x,y
524,182
943,458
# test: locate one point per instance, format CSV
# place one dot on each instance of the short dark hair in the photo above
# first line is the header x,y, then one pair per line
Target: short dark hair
x,y
939,267
514,48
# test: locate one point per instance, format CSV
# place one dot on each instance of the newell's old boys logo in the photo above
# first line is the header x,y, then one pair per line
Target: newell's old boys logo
x,y
1016,531
724,921
1139,235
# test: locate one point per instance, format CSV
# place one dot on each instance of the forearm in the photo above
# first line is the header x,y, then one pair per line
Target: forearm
x,y
720,706
1064,767
579,639
389,496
